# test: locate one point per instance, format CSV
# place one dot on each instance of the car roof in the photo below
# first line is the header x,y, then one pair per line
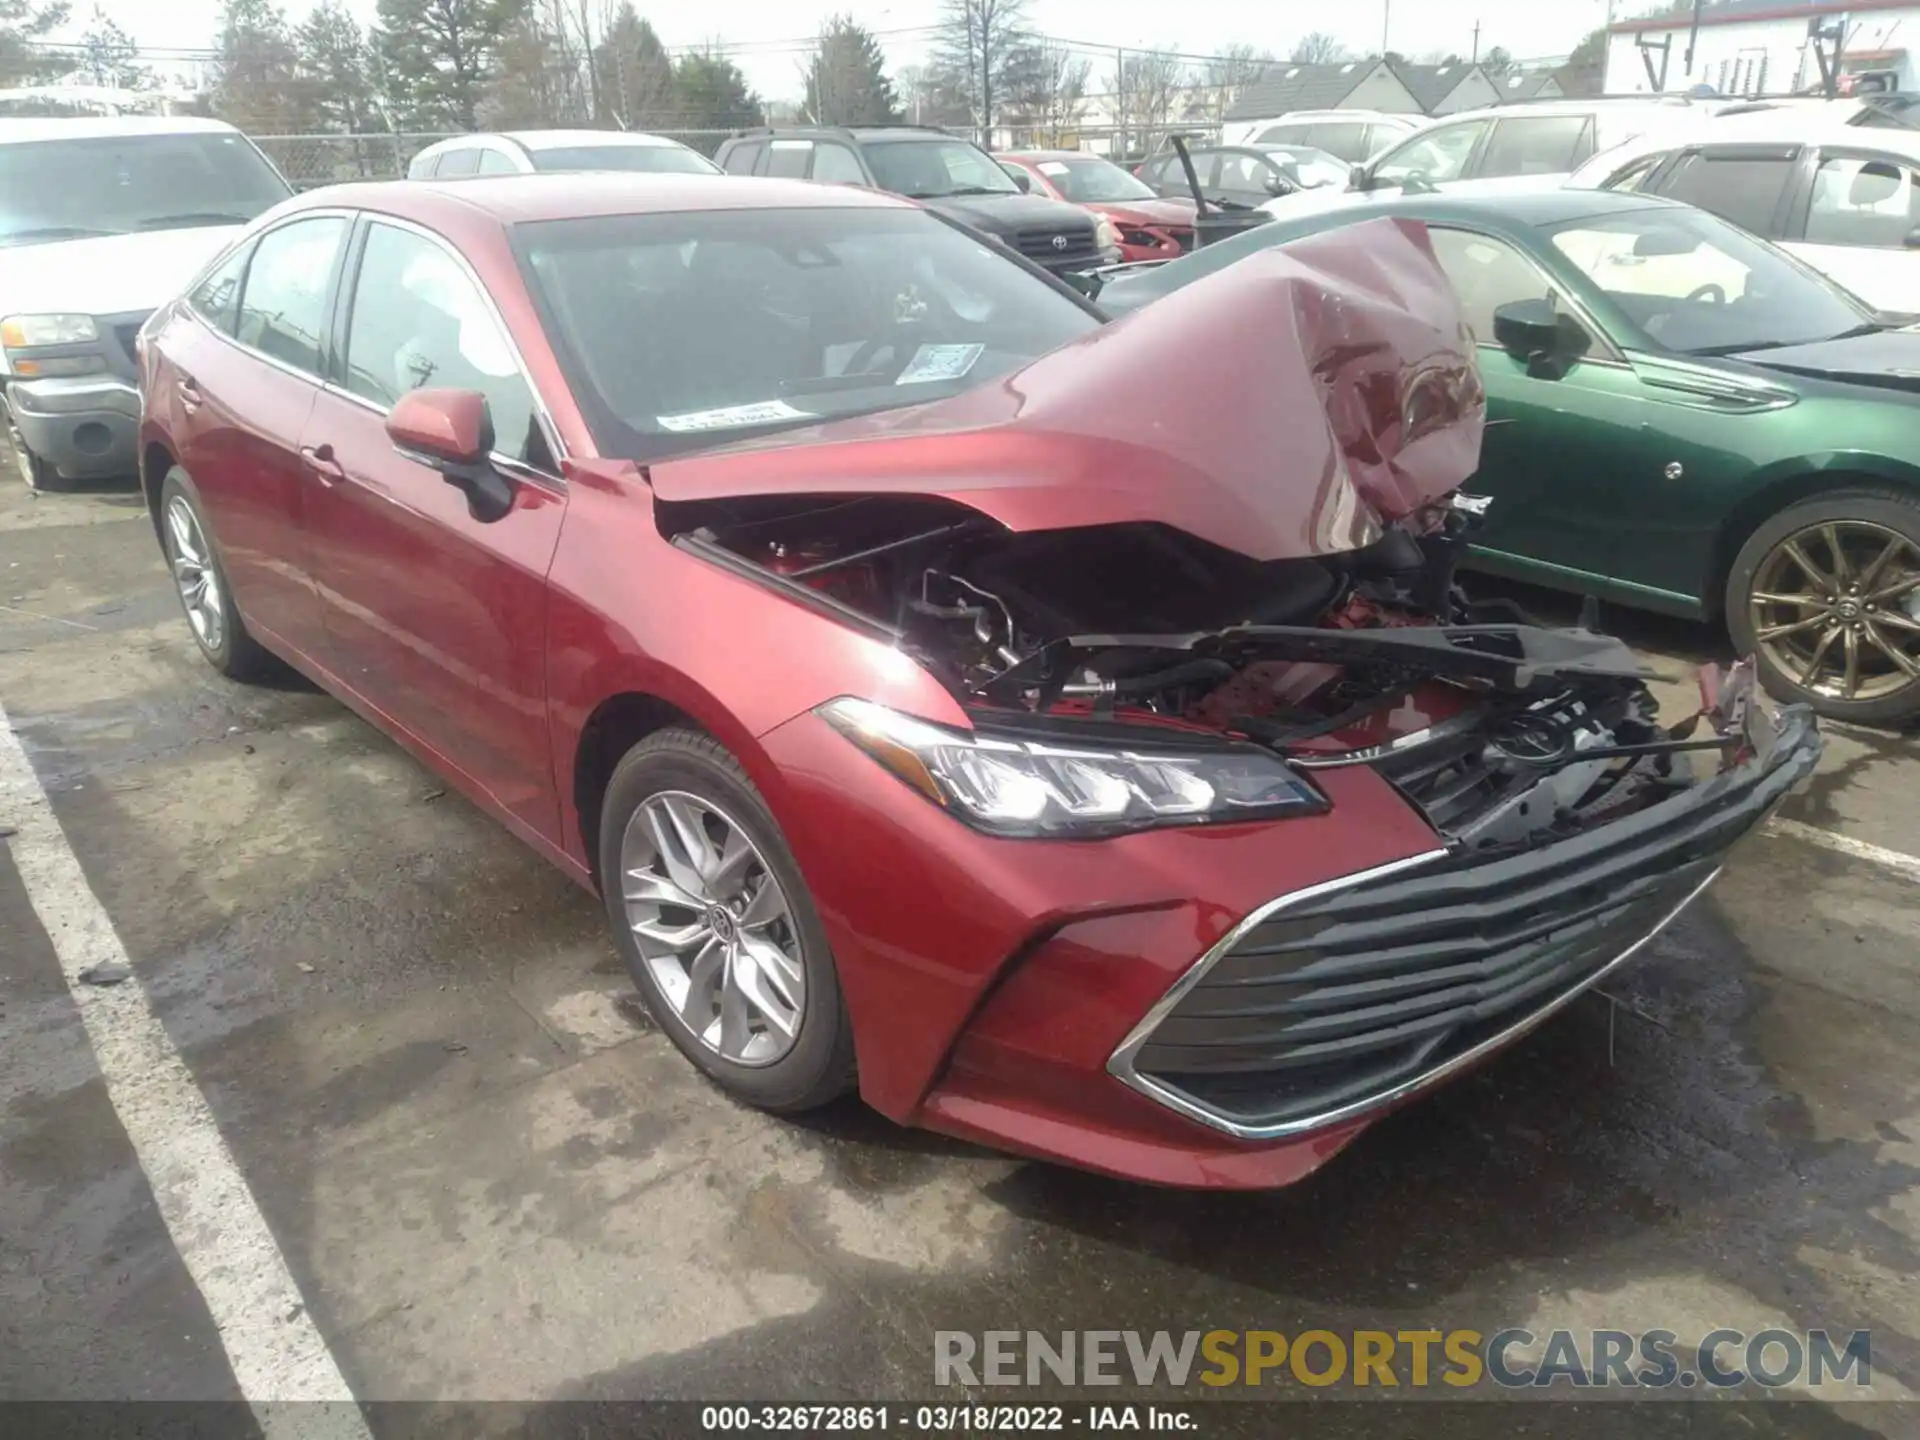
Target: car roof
x,y
87,127
1793,126
556,139
1046,155
1528,207
1366,116
520,199
1522,109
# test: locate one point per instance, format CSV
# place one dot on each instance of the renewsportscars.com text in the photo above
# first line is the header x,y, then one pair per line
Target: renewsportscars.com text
x,y
1513,1358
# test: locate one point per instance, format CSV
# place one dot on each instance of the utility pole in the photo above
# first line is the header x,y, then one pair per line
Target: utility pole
x,y
1476,42
1386,24
1120,96
1693,36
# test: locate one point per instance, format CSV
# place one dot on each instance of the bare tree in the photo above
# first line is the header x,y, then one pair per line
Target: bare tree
x,y
1218,83
1149,90
978,42
1318,48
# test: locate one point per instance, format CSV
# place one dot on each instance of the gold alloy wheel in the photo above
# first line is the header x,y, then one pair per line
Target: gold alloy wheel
x,y
1836,608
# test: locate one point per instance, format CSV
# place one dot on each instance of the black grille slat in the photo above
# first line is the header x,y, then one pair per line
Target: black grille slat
x,y
1358,990
1039,244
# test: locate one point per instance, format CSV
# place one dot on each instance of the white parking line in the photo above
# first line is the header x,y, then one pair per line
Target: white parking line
x,y
274,1347
1907,865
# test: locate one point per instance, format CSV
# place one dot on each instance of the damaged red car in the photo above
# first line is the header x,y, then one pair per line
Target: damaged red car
x,y
1068,734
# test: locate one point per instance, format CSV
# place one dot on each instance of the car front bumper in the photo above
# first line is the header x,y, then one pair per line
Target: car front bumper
x,y
84,426
1226,1008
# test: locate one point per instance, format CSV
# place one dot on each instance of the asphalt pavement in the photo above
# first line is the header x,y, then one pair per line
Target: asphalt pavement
x,y
377,1114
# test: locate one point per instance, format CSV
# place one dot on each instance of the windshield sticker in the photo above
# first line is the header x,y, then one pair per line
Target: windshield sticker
x,y
1051,167
939,362
764,412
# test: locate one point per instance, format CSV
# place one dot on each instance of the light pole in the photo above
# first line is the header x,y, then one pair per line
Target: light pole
x,y
1386,23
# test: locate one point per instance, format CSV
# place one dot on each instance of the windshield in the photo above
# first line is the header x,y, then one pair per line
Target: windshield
x,y
1093,181
679,331
112,185
1312,167
660,159
1696,284
929,169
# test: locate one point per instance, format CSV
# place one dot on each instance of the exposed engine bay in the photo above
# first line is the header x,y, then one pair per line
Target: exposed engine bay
x,y
1498,729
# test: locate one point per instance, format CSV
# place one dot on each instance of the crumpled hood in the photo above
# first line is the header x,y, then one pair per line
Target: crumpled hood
x,y
1285,406
109,275
1889,359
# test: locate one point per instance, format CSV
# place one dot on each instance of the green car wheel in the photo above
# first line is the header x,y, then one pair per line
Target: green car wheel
x,y
1826,595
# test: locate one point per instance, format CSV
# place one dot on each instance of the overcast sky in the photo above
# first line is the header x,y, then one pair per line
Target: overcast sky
x,y
1526,28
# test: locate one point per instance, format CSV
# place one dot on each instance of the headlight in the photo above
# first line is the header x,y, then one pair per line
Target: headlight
x,y
1106,234
1019,787
27,332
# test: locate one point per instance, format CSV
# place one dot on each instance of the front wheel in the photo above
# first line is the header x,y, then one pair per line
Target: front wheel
x,y
41,477
201,583
1826,596
709,911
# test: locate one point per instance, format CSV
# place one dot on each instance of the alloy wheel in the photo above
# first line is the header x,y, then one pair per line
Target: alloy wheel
x,y
1836,607
713,927
194,574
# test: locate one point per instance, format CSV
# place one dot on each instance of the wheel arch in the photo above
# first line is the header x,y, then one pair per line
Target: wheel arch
x,y
156,459
1789,485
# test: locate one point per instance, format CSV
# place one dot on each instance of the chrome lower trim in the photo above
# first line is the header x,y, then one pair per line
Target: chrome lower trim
x,y
1121,1067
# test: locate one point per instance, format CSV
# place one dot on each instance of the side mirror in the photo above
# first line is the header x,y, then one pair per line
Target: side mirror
x,y
1912,242
1534,331
1022,181
452,431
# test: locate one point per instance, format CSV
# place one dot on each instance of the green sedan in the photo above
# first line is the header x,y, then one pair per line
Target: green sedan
x,y
1681,418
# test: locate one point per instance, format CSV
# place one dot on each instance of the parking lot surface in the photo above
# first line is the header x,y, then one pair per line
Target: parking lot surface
x,y
482,1176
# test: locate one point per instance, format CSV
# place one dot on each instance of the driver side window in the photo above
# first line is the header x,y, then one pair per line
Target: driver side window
x,y
419,322
1439,155
1488,273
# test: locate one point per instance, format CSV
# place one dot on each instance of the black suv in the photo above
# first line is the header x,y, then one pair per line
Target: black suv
x,y
942,171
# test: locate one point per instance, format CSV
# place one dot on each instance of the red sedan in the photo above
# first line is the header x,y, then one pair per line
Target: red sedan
x,y
1147,226
947,695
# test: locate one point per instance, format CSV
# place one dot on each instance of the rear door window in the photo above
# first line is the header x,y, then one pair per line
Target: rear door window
x,y
742,157
789,158
1285,135
1863,200
283,305
1343,139
1436,156
1744,186
1537,145
838,164
492,162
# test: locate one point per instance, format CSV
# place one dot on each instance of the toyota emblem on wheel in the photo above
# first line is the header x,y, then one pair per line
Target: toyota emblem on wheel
x,y
1060,242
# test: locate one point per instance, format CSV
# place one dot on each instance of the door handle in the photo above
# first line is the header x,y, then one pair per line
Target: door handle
x,y
319,459
189,393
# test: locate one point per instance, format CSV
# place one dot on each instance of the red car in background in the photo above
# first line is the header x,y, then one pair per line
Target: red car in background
x,y
1067,733
1148,227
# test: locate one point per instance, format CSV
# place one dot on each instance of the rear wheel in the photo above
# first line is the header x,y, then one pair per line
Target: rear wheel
x,y
1826,596
709,911
202,585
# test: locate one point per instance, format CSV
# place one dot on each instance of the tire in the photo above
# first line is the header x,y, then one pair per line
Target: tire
x,y
689,775
41,477
190,551
1864,606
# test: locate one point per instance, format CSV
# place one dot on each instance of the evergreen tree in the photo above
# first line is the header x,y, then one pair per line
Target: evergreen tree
x,y
712,94
635,76
846,81
334,72
530,88
109,57
255,84
439,56
21,23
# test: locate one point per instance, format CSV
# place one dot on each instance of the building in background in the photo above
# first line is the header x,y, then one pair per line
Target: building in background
x,y
1447,89
1764,47
1352,85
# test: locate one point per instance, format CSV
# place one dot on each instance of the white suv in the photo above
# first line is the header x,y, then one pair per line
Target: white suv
x,y
526,152
101,221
